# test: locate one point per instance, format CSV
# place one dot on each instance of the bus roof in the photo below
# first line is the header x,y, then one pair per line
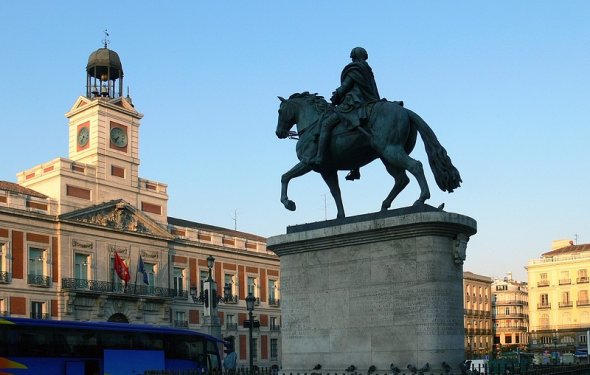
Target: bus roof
x,y
126,327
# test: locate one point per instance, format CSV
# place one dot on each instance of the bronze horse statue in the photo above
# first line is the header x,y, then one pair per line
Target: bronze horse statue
x,y
389,134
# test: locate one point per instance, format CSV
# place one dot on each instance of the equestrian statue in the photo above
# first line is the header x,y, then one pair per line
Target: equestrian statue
x,y
357,128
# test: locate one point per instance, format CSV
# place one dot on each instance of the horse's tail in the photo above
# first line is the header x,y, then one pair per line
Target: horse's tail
x,y
446,175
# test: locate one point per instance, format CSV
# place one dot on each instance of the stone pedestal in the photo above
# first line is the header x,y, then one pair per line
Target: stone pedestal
x,y
373,290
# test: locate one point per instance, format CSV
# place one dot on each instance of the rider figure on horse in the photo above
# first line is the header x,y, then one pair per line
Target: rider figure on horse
x,y
357,88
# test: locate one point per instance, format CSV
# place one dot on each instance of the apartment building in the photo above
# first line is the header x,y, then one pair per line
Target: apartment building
x,y
510,314
559,304
478,315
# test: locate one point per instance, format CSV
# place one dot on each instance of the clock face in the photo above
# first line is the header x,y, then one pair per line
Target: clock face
x,y
118,137
83,135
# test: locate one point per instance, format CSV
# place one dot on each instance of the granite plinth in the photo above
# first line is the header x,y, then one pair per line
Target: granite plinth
x,y
374,291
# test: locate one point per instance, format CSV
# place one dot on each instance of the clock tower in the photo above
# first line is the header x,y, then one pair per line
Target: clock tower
x,y
103,163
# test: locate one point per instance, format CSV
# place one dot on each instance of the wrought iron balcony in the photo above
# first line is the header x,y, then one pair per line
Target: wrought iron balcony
x,y
179,293
39,280
231,326
582,280
100,287
566,304
583,302
543,283
230,298
545,305
565,281
5,277
181,323
274,302
275,327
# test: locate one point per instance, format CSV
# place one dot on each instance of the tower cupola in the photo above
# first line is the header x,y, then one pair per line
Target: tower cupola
x,y
104,74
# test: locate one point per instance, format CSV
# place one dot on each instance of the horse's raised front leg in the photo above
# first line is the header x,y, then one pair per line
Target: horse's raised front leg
x,y
331,179
298,170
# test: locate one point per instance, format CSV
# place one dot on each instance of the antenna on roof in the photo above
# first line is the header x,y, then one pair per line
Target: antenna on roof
x,y
576,238
235,218
106,40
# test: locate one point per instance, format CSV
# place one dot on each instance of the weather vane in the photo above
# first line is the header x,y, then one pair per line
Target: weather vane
x,y
106,38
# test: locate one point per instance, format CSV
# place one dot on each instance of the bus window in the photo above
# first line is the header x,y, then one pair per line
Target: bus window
x,y
116,340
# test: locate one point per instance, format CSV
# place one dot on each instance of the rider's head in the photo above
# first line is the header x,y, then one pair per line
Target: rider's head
x,y
359,54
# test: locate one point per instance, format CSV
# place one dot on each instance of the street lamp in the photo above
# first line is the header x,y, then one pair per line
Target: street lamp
x,y
203,296
250,307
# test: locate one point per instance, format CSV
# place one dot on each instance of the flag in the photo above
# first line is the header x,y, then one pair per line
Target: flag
x,y
141,269
121,268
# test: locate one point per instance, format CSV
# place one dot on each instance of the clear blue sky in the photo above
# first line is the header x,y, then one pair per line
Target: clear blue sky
x,y
505,86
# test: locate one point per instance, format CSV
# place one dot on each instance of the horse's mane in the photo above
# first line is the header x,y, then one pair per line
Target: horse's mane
x,y
317,100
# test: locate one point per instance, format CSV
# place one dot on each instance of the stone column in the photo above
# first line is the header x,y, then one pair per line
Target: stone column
x,y
373,290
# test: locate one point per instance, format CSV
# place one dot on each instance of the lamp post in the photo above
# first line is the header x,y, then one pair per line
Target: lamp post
x,y
250,307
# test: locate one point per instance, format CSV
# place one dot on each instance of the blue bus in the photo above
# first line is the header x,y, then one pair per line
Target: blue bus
x,y
59,347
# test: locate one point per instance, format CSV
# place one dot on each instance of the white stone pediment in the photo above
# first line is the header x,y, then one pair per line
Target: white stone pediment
x,y
118,215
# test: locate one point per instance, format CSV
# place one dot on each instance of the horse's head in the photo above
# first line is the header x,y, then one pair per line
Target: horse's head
x,y
302,109
286,118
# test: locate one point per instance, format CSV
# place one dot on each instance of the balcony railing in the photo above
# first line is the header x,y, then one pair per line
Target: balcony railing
x,y
181,323
100,287
565,281
39,280
546,305
42,316
582,280
566,304
543,283
274,302
583,302
275,327
179,293
231,326
231,299
5,277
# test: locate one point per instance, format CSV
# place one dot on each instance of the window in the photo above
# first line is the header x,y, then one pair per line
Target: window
x,y
36,259
254,348
583,298
582,276
178,281
272,286
252,286
501,287
37,310
274,348
507,312
180,319
37,267
565,297
4,277
582,339
564,278
3,307
544,299
228,279
274,326
508,339
81,267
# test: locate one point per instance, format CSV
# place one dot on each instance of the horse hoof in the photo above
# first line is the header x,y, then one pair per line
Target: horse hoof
x,y
418,203
290,205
